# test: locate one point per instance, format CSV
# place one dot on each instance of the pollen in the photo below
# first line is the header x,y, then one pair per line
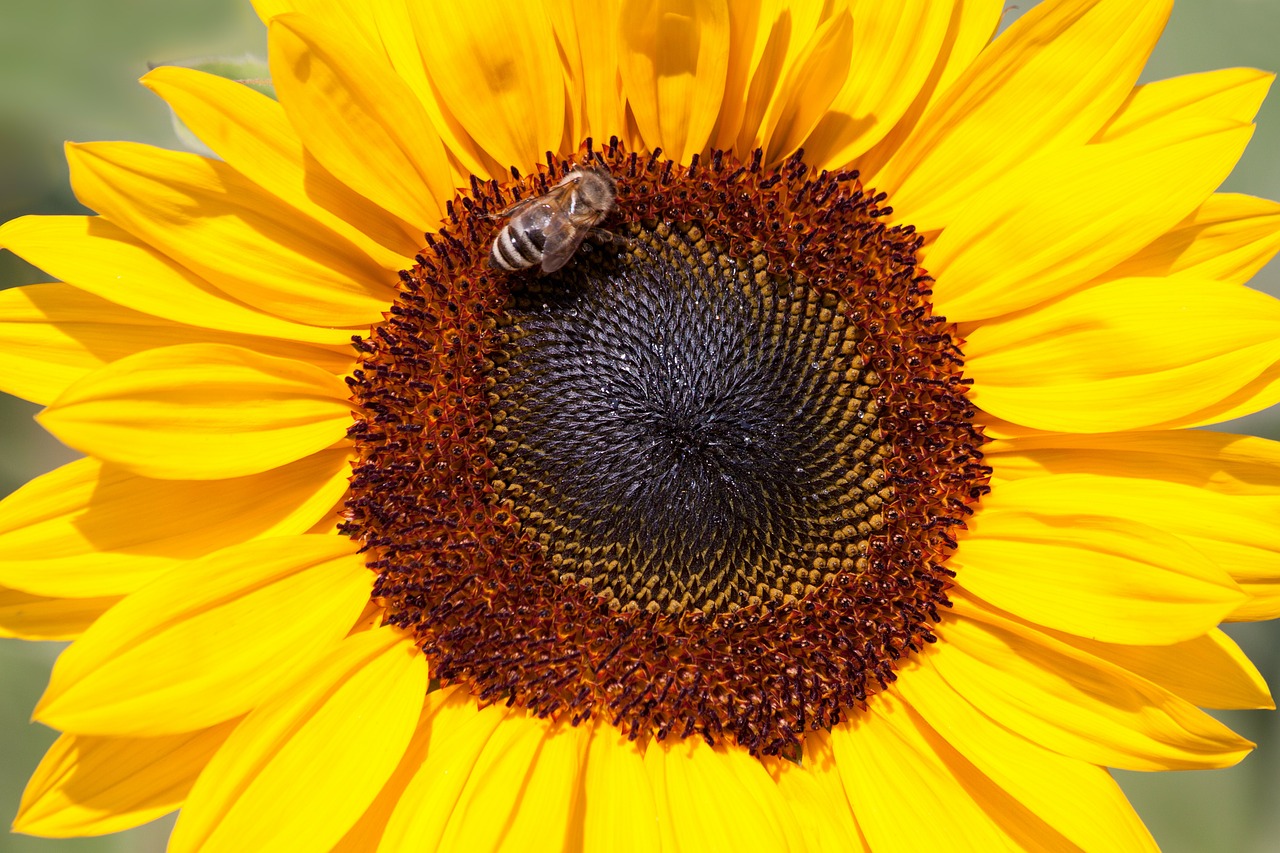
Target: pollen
x,y
702,481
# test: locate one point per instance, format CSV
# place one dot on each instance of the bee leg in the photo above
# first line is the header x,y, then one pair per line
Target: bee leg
x,y
608,238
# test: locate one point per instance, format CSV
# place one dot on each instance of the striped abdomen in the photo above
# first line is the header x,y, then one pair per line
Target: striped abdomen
x,y
519,244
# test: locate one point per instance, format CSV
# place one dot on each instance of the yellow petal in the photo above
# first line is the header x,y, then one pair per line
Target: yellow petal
x,y
1038,231
38,617
1076,569
1239,532
1229,93
457,733
365,834
1256,395
717,797
895,49
750,26
911,790
360,120
813,790
251,132
1223,463
1066,700
1231,465
87,530
54,334
617,803
770,36
496,69
201,411
179,655
397,39
522,788
1060,790
1049,82
595,36
811,83
1228,238
223,227
341,726
386,28
564,23
98,785
972,25
1128,354
674,57
1210,671
104,259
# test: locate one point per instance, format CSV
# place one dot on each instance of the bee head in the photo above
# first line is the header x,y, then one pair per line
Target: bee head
x,y
595,186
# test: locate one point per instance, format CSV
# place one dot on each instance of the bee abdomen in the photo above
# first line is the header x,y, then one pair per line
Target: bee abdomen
x,y
515,249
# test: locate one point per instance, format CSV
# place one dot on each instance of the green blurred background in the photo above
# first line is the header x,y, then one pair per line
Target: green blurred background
x,y
68,71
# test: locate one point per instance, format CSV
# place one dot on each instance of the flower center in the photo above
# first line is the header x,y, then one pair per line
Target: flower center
x,y
701,480
679,431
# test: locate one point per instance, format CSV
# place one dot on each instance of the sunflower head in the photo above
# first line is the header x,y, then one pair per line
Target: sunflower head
x,y
658,486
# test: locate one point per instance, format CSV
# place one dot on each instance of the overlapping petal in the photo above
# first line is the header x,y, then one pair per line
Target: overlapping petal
x,y
895,49
674,57
53,335
812,786
522,789
342,725
1059,696
925,794
745,813
42,617
1228,238
1076,60
1239,531
456,732
360,120
175,657
1234,94
201,411
1057,788
1221,462
88,785
507,91
227,229
100,257
252,133
1210,671
89,530
618,809
587,31
1039,230
1078,570
1130,354
813,80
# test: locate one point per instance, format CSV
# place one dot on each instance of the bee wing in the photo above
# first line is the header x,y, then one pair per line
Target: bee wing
x,y
563,238
549,197
515,208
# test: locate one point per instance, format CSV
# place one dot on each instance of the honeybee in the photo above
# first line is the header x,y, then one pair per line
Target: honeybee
x,y
547,229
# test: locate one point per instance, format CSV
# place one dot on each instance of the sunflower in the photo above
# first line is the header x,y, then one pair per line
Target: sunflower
x,y
839,492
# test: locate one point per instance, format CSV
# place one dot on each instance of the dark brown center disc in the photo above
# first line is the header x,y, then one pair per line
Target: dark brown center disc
x,y
680,432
